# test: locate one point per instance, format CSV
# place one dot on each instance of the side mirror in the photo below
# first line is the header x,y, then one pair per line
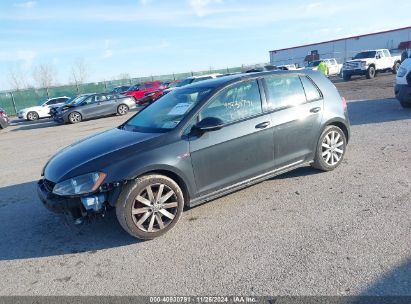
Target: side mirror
x,y
209,124
377,56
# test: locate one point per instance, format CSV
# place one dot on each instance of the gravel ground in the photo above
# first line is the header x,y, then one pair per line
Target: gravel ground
x,y
345,232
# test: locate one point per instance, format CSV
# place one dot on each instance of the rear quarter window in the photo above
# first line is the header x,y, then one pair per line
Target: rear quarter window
x,y
312,92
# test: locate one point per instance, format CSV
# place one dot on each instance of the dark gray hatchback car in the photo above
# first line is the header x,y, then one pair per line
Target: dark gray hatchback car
x,y
197,143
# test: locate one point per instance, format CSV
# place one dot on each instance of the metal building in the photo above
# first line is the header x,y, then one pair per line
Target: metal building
x,y
343,49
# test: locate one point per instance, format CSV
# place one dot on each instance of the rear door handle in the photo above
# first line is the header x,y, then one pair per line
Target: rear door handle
x,y
315,110
262,125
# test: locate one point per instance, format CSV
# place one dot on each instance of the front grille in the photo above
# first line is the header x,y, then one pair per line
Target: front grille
x,y
352,65
48,185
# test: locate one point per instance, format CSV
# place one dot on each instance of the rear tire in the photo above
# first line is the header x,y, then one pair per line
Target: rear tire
x,y
330,149
370,72
31,116
74,117
150,206
122,109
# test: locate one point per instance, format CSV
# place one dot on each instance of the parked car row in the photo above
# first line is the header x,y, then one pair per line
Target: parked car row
x,y
119,101
366,63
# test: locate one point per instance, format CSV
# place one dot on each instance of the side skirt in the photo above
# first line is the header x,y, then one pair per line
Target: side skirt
x,y
244,184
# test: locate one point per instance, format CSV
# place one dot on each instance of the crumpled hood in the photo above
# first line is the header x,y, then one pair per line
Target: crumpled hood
x,y
91,154
63,107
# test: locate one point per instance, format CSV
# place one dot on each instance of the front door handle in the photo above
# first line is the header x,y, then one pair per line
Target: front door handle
x,y
262,125
315,110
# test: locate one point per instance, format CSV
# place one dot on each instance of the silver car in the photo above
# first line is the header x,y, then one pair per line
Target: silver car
x,y
93,106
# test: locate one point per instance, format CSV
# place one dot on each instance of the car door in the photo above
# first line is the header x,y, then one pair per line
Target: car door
x,y
243,148
296,113
380,61
388,59
104,105
88,107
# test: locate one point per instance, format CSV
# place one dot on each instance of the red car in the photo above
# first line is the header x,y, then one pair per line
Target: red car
x,y
150,97
139,90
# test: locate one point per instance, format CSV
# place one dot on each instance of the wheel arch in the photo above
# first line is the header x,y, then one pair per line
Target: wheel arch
x,y
174,176
340,124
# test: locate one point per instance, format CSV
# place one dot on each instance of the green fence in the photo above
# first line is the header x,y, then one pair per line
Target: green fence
x,y
16,100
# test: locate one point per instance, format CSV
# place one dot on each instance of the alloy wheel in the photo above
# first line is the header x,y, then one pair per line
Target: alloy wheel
x,y
122,109
154,208
332,148
75,117
32,116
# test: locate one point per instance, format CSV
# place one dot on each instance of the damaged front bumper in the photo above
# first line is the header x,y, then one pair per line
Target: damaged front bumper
x,y
77,206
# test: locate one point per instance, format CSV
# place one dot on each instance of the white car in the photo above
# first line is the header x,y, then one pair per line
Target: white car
x,y
42,110
334,68
403,84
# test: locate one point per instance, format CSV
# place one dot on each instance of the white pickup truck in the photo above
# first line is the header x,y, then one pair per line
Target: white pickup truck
x,y
368,63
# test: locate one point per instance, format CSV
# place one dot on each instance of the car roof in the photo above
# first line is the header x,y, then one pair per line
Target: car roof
x,y
223,81
205,75
58,97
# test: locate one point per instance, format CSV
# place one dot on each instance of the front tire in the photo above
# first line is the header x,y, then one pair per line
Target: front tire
x,y
346,77
150,206
330,149
396,67
370,72
31,116
74,117
405,105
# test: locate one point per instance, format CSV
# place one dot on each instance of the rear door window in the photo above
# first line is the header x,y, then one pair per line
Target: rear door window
x,y
235,103
284,91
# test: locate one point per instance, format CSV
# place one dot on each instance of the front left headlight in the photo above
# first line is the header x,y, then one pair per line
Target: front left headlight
x,y
363,64
82,184
401,72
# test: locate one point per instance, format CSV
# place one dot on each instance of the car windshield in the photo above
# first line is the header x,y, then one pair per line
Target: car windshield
x,y
134,88
314,63
167,112
144,86
78,100
41,102
185,82
363,55
70,100
174,84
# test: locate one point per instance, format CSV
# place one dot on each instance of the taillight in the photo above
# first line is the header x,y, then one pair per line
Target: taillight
x,y
344,102
2,114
